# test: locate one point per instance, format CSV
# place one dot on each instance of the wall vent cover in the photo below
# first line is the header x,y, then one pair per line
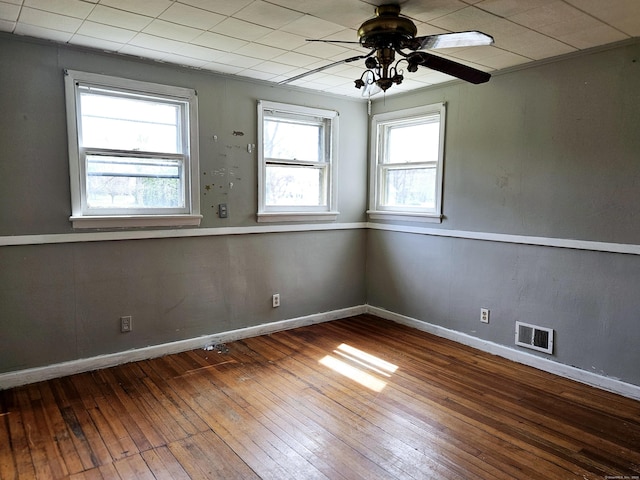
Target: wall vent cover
x,y
534,337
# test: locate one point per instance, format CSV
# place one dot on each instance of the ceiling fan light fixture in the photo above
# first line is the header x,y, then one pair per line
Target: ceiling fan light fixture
x,y
388,34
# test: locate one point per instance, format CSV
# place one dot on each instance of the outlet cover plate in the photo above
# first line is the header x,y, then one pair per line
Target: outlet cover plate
x,y
126,324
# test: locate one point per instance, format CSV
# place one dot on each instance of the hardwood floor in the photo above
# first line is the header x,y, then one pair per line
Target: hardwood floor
x,y
360,398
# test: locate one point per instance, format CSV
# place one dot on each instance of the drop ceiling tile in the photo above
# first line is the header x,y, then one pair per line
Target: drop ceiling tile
x,y
191,16
274,68
509,8
469,18
241,61
308,26
426,10
348,35
332,80
201,53
184,60
14,2
53,21
322,63
547,15
241,29
425,29
283,78
500,27
151,42
223,7
296,59
9,12
323,50
142,52
267,14
349,71
222,68
41,32
7,26
621,14
119,18
283,40
496,59
97,43
568,24
172,31
534,45
593,36
219,42
348,13
263,52
105,32
150,8
70,8
256,75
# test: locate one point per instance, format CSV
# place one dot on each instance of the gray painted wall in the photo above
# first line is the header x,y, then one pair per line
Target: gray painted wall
x,y
549,151
62,302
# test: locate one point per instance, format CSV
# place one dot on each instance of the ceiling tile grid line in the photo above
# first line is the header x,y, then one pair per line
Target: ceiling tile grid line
x,y
266,39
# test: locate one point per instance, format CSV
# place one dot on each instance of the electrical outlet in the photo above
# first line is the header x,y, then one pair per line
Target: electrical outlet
x,y
484,315
275,300
223,212
126,324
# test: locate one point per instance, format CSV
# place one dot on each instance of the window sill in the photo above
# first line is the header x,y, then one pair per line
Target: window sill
x,y
128,221
405,216
264,217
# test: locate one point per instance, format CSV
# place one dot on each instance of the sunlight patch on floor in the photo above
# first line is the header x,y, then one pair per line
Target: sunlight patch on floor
x,y
356,365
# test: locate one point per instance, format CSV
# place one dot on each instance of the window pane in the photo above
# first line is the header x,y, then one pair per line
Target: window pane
x,y
129,124
410,187
295,186
287,140
120,182
413,143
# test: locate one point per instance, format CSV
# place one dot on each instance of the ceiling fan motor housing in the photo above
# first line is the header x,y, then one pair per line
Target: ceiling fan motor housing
x,y
386,29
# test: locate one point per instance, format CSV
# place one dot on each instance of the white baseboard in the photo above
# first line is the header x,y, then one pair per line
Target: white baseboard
x,y
583,376
32,375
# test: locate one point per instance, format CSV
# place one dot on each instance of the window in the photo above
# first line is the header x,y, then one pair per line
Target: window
x,y
133,152
296,154
406,164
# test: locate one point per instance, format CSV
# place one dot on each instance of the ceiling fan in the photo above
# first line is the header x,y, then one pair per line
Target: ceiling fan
x,y
388,34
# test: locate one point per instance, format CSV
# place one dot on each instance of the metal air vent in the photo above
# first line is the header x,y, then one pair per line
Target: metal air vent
x,y
534,337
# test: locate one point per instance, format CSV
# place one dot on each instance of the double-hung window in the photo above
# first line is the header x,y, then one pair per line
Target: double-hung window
x,y
406,164
297,163
133,150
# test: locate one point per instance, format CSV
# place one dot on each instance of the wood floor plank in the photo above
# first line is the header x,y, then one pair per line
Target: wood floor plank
x,y
164,465
249,435
352,399
537,440
8,467
353,426
59,428
133,466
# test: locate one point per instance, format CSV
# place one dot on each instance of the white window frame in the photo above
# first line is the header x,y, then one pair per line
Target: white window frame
x,y
377,211
267,213
84,217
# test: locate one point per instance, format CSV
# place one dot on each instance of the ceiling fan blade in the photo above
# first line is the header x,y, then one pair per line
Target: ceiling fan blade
x,y
451,40
319,69
444,65
331,41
